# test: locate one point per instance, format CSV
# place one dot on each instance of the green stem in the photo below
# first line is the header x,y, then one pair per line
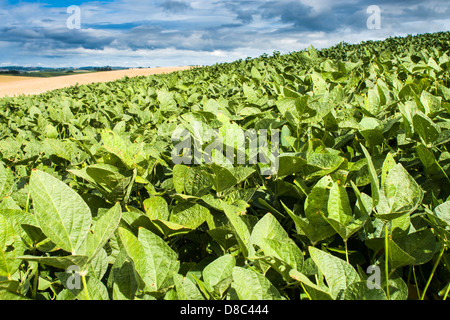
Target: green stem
x,y
83,279
408,279
306,292
27,205
346,250
386,258
432,272
415,281
446,292
35,283
442,169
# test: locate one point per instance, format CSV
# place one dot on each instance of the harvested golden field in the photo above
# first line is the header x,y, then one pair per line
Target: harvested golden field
x,y
8,79
25,85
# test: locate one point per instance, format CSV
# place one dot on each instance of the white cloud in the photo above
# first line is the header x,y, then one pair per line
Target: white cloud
x,y
135,33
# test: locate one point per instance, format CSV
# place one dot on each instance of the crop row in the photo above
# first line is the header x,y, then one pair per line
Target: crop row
x,y
93,205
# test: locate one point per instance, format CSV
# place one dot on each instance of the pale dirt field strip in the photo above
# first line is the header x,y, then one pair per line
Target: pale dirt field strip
x,y
39,85
4,79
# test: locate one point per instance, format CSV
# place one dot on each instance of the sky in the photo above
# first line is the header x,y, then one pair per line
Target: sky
x,y
166,33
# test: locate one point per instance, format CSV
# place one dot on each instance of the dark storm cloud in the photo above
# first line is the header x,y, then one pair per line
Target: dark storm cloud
x,y
298,17
52,38
243,10
175,6
426,12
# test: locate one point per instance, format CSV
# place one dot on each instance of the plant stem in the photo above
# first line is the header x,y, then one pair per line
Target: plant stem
x,y
409,275
27,205
386,258
35,283
346,250
83,279
306,292
446,292
432,272
415,281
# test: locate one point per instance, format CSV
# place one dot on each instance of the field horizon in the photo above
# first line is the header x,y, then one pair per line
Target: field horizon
x,y
18,85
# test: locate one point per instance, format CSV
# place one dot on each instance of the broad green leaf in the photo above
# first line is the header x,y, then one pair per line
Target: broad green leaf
x,y
8,239
222,178
340,215
431,103
62,214
321,164
154,260
99,264
314,232
170,229
102,230
7,232
374,182
286,138
251,285
241,228
250,93
94,290
289,164
363,202
287,108
316,203
10,285
371,130
9,147
398,257
166,100
421,245
402,192
106,176
286,251
388,164
123,278
426,128
360,291
156,208
63,149
9,295
58,262
428,160
319,84
186,289
179,174
339,208
267,227
118,145
6,181
242,173
255,73
399,227
442,212
217,274
189,215
191,181
338,273
316,292
398,289
373,102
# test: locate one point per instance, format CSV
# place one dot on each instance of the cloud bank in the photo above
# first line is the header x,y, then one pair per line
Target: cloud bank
x,y
198,32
